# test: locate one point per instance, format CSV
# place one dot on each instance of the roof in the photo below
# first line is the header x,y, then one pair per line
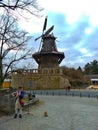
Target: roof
x,y
94,79
7,80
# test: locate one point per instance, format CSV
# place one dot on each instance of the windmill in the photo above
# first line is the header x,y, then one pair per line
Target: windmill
x,y
44,33
48,56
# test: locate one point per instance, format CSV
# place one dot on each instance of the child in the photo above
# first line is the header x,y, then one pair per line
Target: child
x,y
19,94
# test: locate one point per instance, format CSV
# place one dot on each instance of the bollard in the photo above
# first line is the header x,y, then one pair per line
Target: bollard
x,y
45,114
80,95
72,94
53,93
88,95
59,94
46,93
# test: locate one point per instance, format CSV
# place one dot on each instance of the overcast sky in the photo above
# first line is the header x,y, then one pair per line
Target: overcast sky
x,y
75,26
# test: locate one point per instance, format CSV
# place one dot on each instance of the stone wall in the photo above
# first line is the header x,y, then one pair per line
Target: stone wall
x,y
39,79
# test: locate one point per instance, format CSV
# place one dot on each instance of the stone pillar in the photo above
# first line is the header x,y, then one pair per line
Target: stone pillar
x,y
7,103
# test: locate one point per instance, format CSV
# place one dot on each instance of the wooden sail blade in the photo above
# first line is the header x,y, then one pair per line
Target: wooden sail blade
x,y
49,30
45,24
38,38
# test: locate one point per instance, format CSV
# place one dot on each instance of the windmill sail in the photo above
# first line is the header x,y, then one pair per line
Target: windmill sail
x,y
49,30
38,38
44,28
45,24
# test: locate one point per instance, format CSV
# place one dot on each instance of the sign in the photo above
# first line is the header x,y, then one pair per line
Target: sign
x,y
30,84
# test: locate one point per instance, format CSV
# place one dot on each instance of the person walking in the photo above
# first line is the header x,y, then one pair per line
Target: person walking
x,y
19,94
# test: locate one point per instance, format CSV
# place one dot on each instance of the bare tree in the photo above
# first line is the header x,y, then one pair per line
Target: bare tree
x,y
13,47
12,40
30,6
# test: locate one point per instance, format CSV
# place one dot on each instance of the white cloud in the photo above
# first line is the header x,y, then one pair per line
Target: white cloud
x,y
83,50
32,25
73,9
88,30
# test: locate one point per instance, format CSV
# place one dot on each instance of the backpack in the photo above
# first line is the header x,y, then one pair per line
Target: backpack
x,y
21,95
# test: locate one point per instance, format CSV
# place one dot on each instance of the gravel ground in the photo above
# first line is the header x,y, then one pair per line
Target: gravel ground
x,y
64,113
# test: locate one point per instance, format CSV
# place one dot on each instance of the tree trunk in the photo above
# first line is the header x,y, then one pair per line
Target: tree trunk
x,y
1,74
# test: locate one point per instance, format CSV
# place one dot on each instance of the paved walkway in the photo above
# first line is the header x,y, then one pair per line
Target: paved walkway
x,y
64,113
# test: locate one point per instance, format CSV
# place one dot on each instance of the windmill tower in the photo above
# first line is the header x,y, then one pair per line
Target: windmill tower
x,y
48,56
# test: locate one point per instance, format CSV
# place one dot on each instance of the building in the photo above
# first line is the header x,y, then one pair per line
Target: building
x,y
48,75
